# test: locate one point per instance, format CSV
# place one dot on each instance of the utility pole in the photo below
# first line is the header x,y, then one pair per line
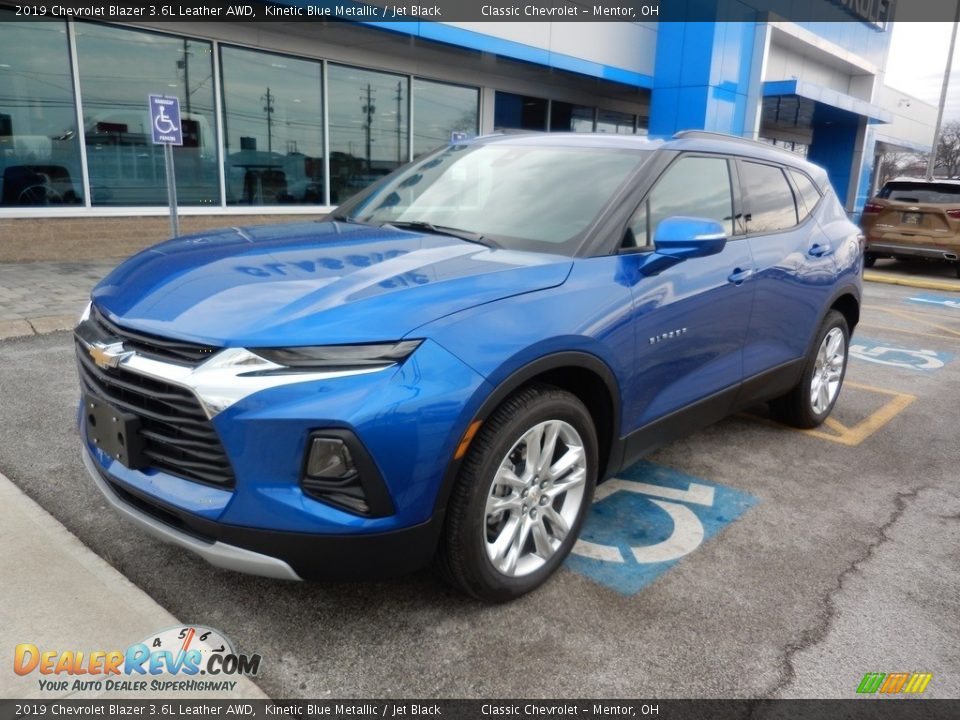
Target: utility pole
x,y
932,160
185,64
399,100
369,109
268,109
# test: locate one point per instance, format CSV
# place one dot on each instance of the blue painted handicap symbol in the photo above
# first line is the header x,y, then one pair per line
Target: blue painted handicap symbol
x,y
882,353
947,301
645,520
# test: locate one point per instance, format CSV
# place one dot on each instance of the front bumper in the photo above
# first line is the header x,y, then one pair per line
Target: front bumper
x,y
271,553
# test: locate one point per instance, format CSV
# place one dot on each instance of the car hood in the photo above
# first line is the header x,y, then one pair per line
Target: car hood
x,y
313,283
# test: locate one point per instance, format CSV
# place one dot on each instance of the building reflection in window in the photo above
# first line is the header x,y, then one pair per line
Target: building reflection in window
x,y
439,110
368,127
118,69
39,145
273,128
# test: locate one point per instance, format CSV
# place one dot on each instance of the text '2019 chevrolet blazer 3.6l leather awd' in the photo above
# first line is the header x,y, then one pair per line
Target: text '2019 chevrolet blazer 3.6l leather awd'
x,y
446,366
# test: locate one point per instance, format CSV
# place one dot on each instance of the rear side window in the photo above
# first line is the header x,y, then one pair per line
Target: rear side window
x,y
809,195
691,186
770,202
921,192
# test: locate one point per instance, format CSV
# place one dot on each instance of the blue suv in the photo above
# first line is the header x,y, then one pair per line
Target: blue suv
x,y
444,368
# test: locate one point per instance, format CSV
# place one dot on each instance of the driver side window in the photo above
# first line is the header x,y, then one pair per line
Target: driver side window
x,y
692,186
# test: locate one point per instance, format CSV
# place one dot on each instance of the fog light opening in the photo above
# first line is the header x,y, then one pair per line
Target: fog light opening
x,y
338,471
330,458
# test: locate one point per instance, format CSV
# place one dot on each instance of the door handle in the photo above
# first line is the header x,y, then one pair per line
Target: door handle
x,y
820,250
739,275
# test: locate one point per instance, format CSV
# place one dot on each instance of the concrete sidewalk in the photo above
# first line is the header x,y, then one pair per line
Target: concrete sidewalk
x,y
42,297
58,595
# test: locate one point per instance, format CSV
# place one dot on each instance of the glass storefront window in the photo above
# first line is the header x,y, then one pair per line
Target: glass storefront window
x,y
39,145
565,117
118,69
273,128
610,121
368,127
519,112
439,110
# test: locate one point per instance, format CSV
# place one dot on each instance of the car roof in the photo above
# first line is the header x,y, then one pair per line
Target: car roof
x,y
686,141
572,139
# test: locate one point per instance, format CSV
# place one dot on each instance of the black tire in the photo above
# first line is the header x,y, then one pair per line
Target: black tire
x,y
796,407
462,556
956,268
869,260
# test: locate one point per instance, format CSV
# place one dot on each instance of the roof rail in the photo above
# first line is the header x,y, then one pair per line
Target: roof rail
x,y
710,134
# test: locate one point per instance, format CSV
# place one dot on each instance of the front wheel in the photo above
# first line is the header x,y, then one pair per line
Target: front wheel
x,y
809,403
869,260
521,495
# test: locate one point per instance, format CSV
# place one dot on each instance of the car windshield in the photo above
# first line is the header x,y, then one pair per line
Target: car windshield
x,y
922,192
511,195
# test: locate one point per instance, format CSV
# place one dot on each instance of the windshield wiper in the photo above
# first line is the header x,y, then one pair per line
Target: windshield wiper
x,y
425,226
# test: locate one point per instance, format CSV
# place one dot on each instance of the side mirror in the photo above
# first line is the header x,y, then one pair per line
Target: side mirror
x,y
683,238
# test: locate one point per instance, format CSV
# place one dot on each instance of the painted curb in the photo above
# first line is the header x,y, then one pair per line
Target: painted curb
x,y
949,286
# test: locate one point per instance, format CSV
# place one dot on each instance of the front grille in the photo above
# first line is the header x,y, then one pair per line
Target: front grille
x,y
158,348
177,436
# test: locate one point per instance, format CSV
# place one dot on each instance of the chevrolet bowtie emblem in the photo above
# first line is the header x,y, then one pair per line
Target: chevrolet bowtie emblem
x,y
107,356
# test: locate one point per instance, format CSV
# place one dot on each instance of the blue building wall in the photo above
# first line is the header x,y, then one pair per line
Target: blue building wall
x,y
702,77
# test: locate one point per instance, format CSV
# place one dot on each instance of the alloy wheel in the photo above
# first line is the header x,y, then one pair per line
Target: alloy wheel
x,y
535,498
828,371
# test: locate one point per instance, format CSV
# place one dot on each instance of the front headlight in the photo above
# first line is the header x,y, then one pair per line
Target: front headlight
x,y
339,357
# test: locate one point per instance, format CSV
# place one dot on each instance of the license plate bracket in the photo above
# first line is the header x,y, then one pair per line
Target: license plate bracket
x,y
912,218
114,432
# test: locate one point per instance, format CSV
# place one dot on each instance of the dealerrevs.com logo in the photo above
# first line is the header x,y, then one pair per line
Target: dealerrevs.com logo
x,y
169,661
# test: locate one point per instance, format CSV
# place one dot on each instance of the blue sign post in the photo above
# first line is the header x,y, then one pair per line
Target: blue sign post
x,y
167,130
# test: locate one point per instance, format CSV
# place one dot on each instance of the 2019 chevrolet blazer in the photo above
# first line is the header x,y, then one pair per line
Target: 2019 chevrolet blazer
x,y
445,367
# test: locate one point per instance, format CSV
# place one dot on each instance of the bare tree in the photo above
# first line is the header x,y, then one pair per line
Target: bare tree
x,y
948,149
894,163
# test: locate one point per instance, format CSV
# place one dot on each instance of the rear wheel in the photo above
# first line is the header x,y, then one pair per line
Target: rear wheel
x,y
869,260
521,495
809,403
956,268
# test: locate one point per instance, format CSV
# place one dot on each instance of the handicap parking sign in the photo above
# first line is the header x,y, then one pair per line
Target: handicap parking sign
x,y
645,520
165,120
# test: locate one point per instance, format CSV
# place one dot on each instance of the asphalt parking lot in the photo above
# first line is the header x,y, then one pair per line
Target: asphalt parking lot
x,y
749,560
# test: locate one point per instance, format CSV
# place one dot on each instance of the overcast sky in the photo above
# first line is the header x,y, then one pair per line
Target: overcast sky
x,y
918,57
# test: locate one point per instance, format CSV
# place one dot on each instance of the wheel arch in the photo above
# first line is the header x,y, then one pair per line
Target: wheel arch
x,y
846,301
584,375
848,305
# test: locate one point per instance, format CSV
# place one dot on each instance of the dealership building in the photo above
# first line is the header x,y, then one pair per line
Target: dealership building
x,y
291,118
